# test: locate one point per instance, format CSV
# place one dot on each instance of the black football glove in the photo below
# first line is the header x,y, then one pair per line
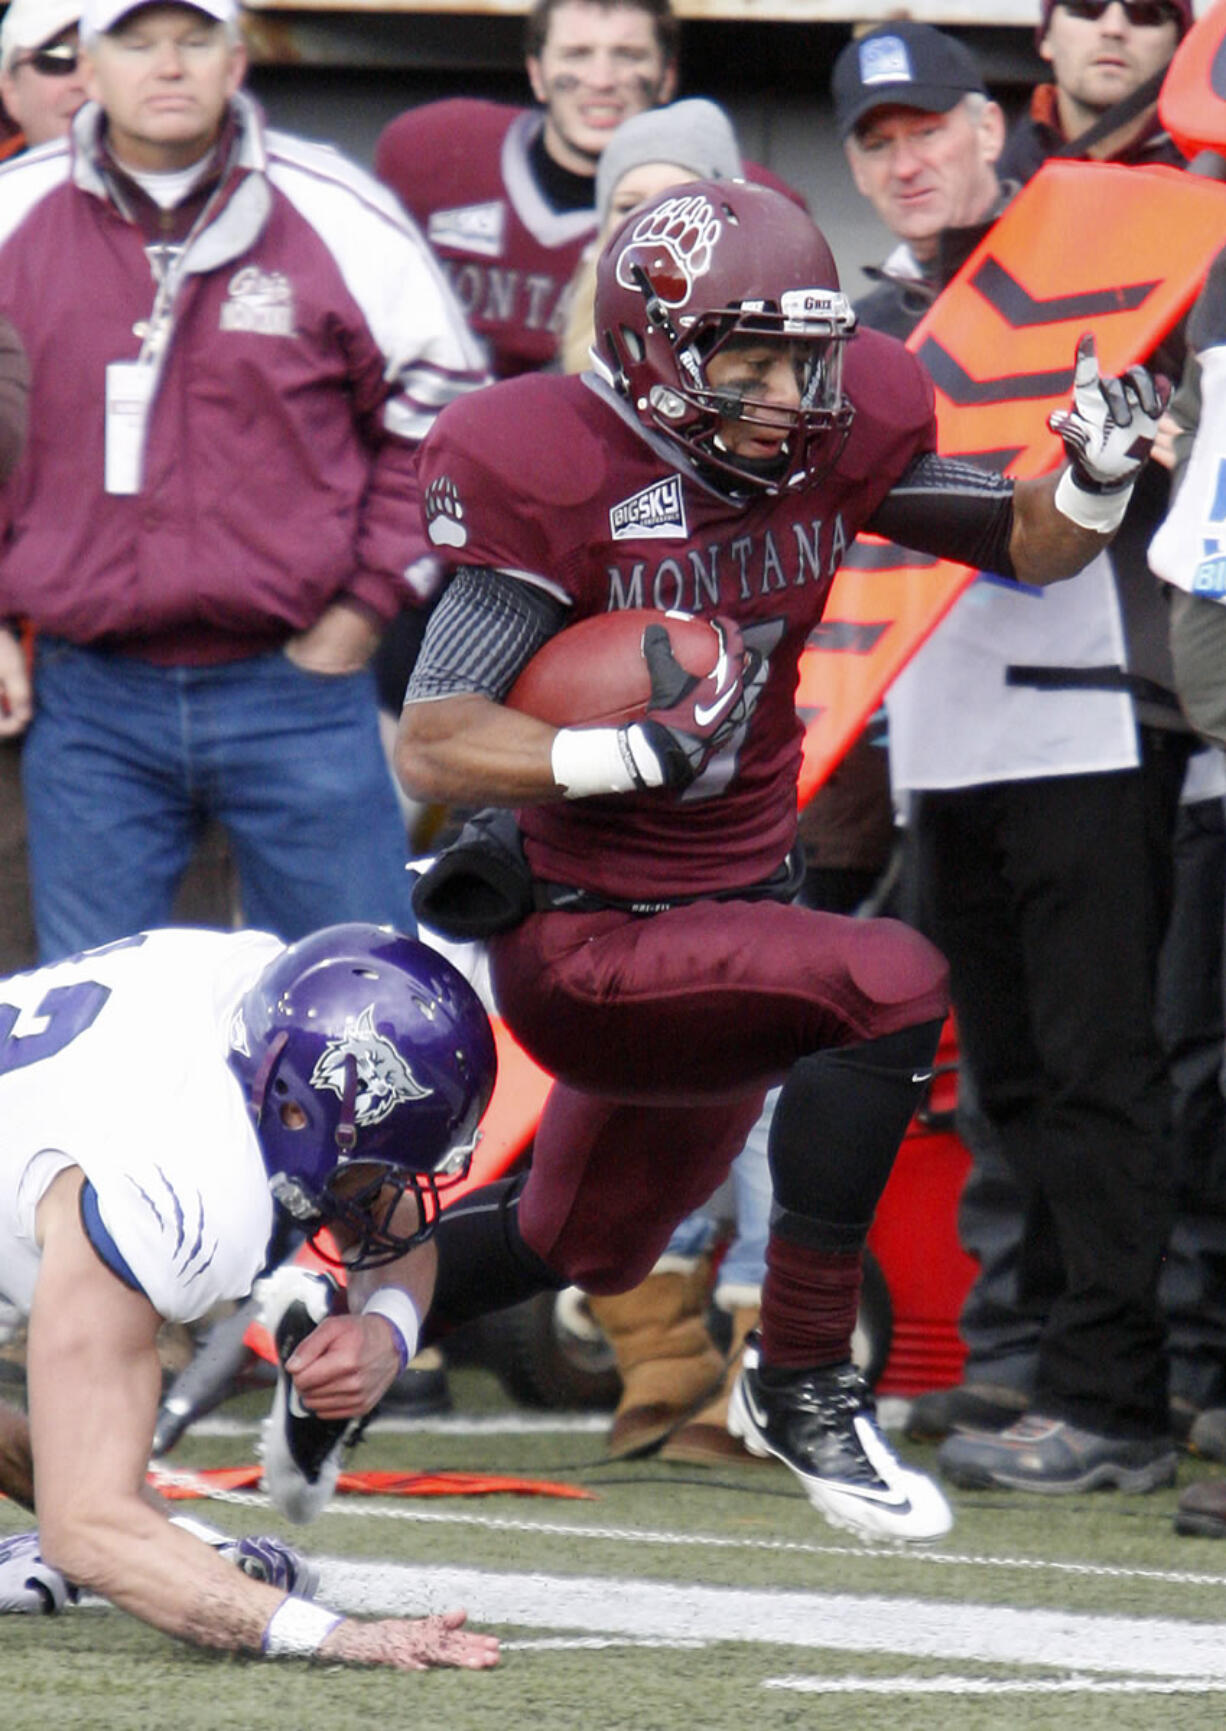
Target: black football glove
x,y
1111,423
692,715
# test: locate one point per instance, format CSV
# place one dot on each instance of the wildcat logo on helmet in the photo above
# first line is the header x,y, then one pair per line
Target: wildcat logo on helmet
x,y
672,245
384,1080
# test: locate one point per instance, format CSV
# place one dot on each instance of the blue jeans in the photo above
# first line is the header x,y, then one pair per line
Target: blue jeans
x,y
124,761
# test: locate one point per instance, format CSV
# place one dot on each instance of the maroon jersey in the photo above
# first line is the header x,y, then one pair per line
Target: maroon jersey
x,y
553,479
461,169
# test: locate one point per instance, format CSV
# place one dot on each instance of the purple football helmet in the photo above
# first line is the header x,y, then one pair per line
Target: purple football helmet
x,y
367,1061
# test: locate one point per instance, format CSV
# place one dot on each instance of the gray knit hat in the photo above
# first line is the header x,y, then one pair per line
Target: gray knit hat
x,y
695,134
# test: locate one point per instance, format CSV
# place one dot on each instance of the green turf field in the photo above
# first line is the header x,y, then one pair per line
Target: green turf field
x,y
674,1598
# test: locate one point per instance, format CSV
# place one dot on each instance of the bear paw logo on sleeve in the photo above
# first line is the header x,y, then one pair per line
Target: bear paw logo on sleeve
x,y
445,514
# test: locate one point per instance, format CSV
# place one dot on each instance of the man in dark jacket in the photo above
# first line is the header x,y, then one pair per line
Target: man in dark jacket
x,y
1068,1208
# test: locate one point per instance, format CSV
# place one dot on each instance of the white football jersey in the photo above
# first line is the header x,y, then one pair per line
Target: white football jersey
x,y
115,1061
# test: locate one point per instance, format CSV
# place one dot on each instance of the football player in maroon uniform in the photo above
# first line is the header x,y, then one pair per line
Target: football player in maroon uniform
x,y
738,434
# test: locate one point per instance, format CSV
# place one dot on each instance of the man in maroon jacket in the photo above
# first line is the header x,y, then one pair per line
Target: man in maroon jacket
x,y
238,342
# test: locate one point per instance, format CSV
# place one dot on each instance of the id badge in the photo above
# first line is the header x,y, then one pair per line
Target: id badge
x,y
129,388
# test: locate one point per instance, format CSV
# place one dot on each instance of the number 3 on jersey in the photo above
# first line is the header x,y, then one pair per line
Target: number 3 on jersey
x,y
65,1012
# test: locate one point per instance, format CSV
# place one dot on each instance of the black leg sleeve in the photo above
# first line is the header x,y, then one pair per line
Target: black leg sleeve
x,y
836,1130
483,1263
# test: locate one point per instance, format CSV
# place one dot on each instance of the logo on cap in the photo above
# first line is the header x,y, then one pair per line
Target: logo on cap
x,y
884,60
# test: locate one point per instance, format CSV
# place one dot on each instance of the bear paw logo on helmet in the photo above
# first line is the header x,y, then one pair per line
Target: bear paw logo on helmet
x,y
673,245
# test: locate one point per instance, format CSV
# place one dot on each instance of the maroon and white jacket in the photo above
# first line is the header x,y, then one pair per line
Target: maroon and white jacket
x,y
300,342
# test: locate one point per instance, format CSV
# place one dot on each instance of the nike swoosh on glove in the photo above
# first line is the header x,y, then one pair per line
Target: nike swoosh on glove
x,y
692,716
27,1583
1111,424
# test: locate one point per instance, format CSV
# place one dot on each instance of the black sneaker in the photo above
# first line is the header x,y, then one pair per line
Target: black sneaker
x,y
1053,1456
966,1406
822,1424
301,1453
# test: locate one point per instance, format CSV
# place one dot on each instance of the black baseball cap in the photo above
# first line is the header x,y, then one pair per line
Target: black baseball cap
x,y
903,64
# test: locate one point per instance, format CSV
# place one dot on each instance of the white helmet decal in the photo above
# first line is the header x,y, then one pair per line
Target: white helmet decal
x,y
673,243
384,1079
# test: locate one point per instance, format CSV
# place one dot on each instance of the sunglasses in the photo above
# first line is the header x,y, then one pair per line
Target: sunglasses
x,y
59,61
1141,14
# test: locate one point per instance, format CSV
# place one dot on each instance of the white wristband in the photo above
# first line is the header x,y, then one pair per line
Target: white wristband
x,y
297,1629
395,1306
592,760
1100,512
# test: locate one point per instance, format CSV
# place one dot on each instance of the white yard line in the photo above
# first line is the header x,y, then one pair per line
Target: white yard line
x,y
586,1532
1056,1641
1075,1685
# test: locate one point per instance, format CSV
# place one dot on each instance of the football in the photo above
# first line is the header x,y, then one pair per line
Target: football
x,y
593,674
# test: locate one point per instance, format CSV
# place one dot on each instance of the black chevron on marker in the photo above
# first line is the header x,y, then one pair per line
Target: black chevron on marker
x,y
851,636
1019,308
954,382
887,556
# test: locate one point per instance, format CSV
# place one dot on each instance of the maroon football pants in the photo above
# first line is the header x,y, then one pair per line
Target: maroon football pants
x,y
664,1033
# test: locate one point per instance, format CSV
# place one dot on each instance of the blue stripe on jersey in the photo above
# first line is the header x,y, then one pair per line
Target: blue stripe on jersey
x,y
102,1241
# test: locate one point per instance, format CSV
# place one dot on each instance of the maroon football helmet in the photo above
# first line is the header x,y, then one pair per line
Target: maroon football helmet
x,y
704,264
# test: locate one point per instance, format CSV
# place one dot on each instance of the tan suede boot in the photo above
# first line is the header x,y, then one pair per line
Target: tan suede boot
x,y
705,1440
667,1360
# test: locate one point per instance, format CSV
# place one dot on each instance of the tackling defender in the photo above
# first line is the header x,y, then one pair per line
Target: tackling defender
x,y
736,436
157,1096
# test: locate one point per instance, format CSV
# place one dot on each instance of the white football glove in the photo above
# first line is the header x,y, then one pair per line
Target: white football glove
x,y
1111,423
29,1584
264,1558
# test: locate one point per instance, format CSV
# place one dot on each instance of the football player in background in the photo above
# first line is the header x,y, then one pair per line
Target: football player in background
x,y
507,196
159,1097
736,436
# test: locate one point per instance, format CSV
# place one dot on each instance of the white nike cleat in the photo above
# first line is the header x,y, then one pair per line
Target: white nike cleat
x,y
301,1453
822,1424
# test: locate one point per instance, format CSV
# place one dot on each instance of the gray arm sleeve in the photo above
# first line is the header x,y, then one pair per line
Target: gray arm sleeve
x,y
484,629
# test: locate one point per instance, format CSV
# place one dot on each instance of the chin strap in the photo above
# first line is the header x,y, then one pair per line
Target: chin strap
x,y
346,1134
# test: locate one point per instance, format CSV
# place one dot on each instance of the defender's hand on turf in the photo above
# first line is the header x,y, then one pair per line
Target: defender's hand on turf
x,y
413,1644
691,717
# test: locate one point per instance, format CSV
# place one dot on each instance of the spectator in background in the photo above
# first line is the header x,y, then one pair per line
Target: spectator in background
x,y
41,87
506,196
1053,941
208,549
41,82
1105,57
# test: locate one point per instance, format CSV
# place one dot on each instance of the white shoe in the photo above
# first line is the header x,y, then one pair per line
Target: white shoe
x,y
822,1424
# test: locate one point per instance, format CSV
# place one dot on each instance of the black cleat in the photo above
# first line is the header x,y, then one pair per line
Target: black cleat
x,y
301,1453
